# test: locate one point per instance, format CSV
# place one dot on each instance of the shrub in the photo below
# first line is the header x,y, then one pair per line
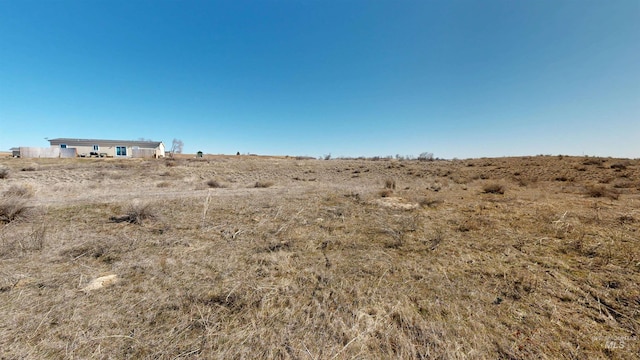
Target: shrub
x,y
598,191
427,202
163,184
385,193
390,184
139,212
12,208
263,184
619,166
592,161
4,172
493,188
19,191
136,213
215,184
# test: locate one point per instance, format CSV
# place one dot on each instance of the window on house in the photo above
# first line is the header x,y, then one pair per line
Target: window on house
x,y
63,146
96,147
121,151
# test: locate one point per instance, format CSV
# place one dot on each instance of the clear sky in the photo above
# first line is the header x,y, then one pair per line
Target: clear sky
x,y
456,78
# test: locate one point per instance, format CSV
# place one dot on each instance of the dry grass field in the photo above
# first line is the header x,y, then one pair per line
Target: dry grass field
x,y
245,257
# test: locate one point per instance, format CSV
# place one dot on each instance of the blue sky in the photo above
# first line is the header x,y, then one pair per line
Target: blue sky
x,y
307,77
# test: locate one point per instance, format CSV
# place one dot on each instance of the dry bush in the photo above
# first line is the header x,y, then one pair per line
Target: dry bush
x,y
385,193
390,184
619,166
4,172
493,188
12,208
137,213
624,184
599,191
263,184
429,202
163,184
19,191
215,184
593,161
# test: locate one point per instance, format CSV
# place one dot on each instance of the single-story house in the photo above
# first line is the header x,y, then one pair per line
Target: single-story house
x,y
111,148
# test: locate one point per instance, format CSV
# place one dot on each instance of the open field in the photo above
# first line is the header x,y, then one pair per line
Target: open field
x,y
250,257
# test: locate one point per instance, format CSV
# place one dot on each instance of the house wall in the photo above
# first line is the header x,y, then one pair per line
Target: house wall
x,y
110,150
160,150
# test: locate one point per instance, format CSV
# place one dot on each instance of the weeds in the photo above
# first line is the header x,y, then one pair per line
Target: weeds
x,y
12,208
390,184
215,184
4,172
385,193
429,202
163,184
137,213
493,188
263,184
20,191
600,191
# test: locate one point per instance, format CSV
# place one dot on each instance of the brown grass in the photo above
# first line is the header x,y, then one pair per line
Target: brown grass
x,y
493,188
263,184
215,184
598,191
20,191
12,208
322,269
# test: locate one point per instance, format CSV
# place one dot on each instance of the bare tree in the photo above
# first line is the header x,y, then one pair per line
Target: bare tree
x,y
425,156
176,146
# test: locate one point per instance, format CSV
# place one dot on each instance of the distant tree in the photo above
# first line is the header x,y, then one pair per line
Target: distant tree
x,y
176,146
425,156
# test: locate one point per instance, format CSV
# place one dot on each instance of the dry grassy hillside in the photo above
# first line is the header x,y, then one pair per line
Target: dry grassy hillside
x,y
249,257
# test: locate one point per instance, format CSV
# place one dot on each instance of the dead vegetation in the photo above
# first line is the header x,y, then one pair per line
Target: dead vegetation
x,y
4,172
328,269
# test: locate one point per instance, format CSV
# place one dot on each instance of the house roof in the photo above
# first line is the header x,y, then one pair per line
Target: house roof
x,y
103,142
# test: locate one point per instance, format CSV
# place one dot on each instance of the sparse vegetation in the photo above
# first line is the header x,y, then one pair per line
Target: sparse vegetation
x,y
4,172
390,184
12,208
137,213
321,266
598,191
19,191
263,184
215,184
493,188
385,193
